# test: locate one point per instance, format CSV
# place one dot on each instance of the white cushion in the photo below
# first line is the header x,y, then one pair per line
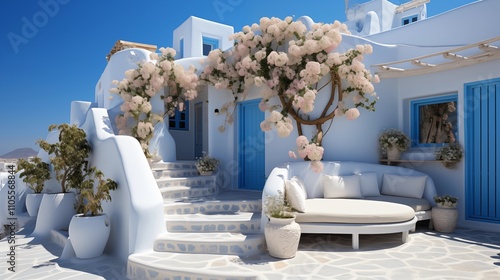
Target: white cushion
x,y
406,186
341,186
369,184
296,194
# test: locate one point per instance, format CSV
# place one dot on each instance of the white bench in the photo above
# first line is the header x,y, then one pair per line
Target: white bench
x,y
368,215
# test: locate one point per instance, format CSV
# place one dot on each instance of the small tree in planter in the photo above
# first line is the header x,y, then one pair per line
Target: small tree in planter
x,y
70,155
89,229
34,173
93,191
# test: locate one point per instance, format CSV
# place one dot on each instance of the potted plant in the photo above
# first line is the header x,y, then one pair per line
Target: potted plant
x,y
445,215
206,164
68,156
89,229
449,154
34,173
282,233
393,142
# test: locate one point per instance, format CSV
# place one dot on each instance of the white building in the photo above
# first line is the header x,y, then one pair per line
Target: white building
x,y
451,57
420,61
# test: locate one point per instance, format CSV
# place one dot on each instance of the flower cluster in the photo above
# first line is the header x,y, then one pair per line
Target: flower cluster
x,y
446,200
451,152
282,124
143,83
394,138
309,150
206,163
277,206
287,61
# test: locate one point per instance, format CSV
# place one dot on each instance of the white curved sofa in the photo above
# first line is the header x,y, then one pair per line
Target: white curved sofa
x,y
404,197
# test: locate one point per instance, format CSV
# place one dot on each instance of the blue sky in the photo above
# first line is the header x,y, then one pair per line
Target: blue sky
x,y
53,51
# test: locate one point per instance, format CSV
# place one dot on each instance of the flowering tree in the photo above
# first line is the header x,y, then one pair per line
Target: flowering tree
x,y
143,83
288,62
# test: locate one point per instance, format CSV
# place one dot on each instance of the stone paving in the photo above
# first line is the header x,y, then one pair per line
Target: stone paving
x,y
465,254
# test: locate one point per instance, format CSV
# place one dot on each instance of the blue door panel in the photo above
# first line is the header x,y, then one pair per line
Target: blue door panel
x,y
251,146
482,126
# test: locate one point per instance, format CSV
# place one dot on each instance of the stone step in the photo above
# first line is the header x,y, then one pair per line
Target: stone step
x,y
227,201
176,165
219,243
180,173
163,265
183,192
242,222
187,181
182,188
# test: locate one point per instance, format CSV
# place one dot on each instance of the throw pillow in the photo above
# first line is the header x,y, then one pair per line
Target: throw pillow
x,y
341,186
295,195
369,184
406,186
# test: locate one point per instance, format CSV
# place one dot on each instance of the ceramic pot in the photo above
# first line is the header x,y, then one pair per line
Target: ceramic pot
x,y
393,153
282,237
33,201
89,235
55,212
444,218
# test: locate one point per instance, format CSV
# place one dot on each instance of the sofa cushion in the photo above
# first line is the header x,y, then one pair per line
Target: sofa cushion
x,y
341,186
418,204
296,194
369,184
407,186
354,211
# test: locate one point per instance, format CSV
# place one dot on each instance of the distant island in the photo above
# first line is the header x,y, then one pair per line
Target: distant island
x,y
20,153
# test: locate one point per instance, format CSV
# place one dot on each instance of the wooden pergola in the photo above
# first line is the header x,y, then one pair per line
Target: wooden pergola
x,y
122,45
446,60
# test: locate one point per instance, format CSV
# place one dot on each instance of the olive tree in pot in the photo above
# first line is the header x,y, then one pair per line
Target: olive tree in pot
x,y
34,173
89,229
68,156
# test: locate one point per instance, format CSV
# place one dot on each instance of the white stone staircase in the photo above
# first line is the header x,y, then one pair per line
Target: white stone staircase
x,y
201,223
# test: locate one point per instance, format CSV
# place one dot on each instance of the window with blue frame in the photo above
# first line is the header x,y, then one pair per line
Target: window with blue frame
x,y
209,44
180,121
410,19
434,121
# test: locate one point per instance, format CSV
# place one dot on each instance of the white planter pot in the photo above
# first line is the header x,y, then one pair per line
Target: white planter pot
x,y
444,219
56,211
282,237
393,153
33,201
89,235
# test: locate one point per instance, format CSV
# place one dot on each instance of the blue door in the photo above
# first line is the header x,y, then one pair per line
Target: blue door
x,y
482,153
198,129
251,146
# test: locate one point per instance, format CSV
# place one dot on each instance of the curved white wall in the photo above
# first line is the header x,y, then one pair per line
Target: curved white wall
x,y
136,209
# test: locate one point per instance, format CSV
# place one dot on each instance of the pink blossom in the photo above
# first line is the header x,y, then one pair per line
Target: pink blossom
x,y
339,112
352,114
302,141
265,126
